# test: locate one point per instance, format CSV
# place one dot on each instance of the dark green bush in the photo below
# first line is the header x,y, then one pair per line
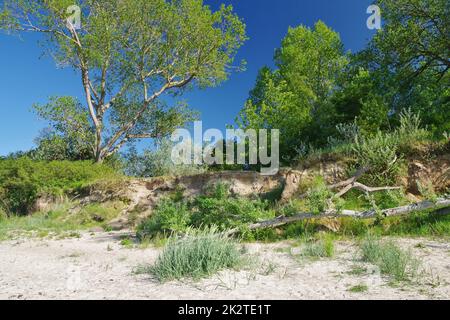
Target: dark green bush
x,y
225,211
22,180
168,217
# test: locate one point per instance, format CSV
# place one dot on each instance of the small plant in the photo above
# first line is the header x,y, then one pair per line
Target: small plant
x,y
409,133
323,248
127,243
196,255
380,154
168,217
319,197
359,288
427,191
390,258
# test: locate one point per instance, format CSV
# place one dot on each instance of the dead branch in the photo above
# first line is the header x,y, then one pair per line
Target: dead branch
x,y
352,183
281,221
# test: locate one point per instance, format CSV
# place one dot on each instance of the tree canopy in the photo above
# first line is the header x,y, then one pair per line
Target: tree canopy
x,y
317,88
289,98
131,53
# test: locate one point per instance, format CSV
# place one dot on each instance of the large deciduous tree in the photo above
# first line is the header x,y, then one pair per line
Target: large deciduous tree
x,y
409,59
297,93
129,53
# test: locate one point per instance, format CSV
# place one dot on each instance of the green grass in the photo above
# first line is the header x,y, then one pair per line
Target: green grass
x,y
59,221
359,288
23,181
323,248
422,224
197,255
392,260
127,243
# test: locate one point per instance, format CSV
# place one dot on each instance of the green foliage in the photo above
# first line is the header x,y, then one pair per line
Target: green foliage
x,y
168,217
384,87
197,255
23,180
216,208
390,258
225,211
379,153
323,248
159,162
70,136
427,191
422,224
308,62
408,59
319,197
130,58
59,221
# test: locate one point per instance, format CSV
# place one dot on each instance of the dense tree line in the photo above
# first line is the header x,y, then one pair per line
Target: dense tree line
x,y
317,88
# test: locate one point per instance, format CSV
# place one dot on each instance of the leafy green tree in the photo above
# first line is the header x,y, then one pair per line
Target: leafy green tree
x,y
297,93
409,59
69,136
158,162
357,99
129,54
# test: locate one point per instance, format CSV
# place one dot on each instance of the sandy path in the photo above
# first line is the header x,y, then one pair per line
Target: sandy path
x,y
98,267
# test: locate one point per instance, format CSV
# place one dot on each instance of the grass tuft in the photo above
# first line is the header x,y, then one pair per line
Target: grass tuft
x,y
359,288
323,248
390,258
196,255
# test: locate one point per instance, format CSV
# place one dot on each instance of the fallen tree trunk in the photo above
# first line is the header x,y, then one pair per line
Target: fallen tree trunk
x,y
281,221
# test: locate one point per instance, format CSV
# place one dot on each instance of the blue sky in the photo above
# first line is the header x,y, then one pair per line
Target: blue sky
x,y
26,77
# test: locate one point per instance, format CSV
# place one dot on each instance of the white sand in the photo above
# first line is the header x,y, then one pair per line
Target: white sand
x,y
98,267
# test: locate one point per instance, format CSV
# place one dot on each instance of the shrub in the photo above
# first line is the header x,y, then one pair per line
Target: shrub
x,y
228,212
423,224
198,254
319,197
23,180
427,190
390,258
410,133
216,208
380,154
169,216
156,163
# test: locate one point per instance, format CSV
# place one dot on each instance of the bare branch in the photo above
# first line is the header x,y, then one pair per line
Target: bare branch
x,y
281,221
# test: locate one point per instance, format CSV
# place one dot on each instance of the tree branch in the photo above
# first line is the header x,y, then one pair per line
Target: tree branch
x,y
281,221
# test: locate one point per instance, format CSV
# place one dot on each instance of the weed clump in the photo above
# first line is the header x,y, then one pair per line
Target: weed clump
x,y
196,255
390,258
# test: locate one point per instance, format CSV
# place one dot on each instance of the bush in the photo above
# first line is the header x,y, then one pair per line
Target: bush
x,y
226,212
319,197
157,163
198,254
217,208
390,258
168,217
410,133
380,154
22,180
